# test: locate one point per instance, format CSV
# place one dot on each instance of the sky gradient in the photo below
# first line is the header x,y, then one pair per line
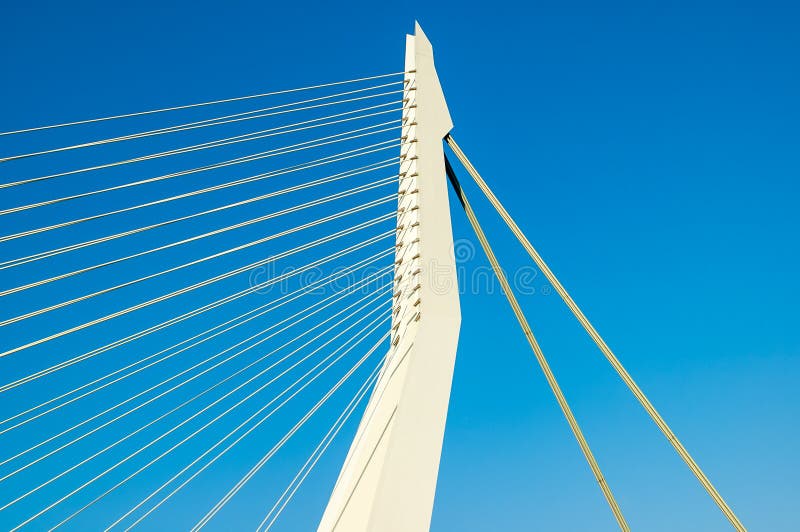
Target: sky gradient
x,y
650,152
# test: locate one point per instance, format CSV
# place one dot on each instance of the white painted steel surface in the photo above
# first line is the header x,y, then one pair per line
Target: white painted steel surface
x,y
388,481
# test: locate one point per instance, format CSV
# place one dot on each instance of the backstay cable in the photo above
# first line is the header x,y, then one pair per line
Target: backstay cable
x,y
598,340
537,350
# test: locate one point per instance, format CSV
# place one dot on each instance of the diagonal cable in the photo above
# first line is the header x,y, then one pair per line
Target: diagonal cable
x,y
537,350
261,409
240,160
321,201
270,307
201,284
285,497
246,433
282,212
598,340
227,119
200,310
195,397
222,328
202,104
318,162
257,135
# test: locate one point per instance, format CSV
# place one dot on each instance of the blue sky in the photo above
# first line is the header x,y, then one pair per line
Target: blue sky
x,y
649,151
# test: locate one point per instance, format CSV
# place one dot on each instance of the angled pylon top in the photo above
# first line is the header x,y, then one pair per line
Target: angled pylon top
x,y
388,481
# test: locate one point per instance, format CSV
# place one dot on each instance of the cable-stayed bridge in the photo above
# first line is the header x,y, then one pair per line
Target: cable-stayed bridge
x,y
282,264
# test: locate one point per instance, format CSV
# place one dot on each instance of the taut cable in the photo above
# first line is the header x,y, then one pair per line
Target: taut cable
x,y
537,350
598,340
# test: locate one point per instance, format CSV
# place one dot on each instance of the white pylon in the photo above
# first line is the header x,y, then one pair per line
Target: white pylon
x,y
388,481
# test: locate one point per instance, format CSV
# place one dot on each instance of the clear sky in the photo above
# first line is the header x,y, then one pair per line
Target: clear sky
x,y
651,152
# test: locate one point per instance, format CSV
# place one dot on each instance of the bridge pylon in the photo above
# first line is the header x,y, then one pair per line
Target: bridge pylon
x,y
388,480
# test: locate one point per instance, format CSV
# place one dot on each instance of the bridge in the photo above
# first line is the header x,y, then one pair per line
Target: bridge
x,y
286,265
